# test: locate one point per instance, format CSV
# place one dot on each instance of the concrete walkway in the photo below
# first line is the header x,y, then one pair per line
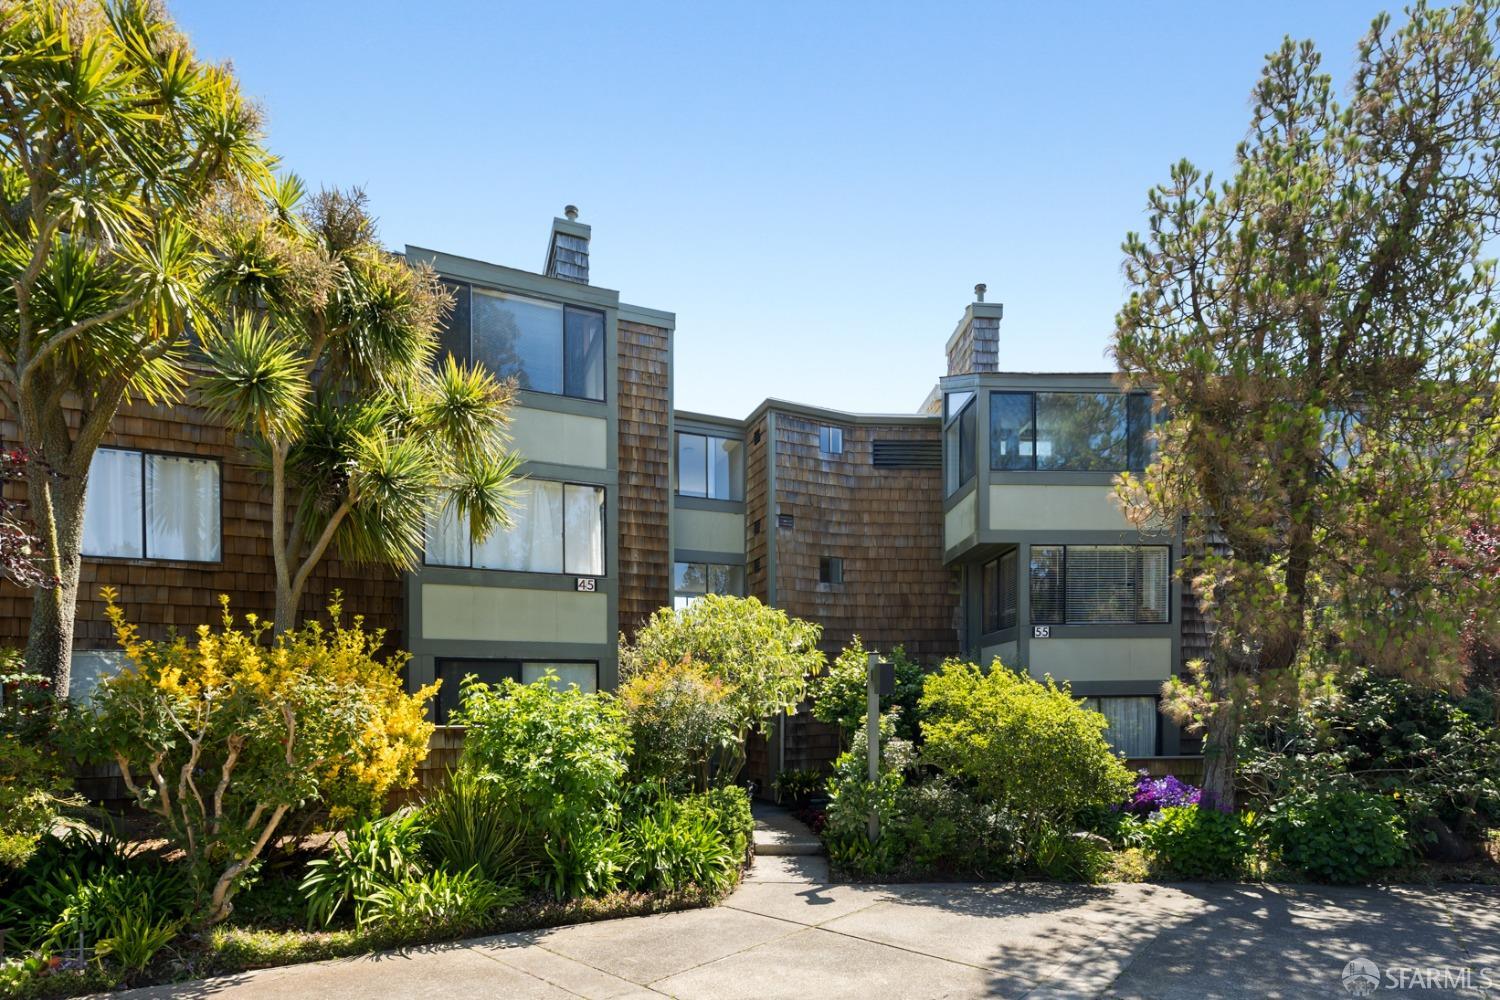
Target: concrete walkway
x,y
782,935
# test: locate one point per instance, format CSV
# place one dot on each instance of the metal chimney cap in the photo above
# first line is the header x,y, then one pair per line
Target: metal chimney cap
x,y
979,291
571,211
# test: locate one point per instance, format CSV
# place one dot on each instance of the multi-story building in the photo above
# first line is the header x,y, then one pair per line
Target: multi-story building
x,y
980,525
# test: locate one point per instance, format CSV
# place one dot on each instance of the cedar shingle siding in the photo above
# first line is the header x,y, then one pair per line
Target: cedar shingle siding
x,y
645,482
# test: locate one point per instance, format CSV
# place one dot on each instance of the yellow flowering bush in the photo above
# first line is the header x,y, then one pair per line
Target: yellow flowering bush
x,y
222,735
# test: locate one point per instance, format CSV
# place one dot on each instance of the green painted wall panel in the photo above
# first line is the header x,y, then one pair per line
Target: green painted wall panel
x,y
506,614
708,530
1060,508
1101,659
560,438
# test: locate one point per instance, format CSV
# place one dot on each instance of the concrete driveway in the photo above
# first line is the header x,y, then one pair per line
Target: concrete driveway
x,y
781,935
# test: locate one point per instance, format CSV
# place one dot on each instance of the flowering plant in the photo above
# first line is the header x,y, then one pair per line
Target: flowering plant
x,y
1152,795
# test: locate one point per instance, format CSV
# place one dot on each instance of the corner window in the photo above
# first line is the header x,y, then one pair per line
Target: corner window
x,y
555,528
1100,584
452,671
998,592
959,441
545,346
1132,723
692,580
710,467
831,440
831,570
1070,431
143,505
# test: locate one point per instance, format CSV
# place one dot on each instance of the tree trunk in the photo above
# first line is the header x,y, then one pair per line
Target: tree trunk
x,y
1220,756
57,505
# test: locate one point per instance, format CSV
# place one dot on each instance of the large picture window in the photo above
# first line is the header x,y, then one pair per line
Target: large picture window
x,y
1100,584
710,467
555,528
545,346
452,671
1132,723
142,505
1070,431
692,580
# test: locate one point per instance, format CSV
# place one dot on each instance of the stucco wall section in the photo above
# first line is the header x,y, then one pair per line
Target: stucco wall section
x,y
495,614
560,438
1019,507
1101,659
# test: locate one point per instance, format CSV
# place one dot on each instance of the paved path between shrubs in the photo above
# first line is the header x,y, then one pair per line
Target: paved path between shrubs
x,y
787,932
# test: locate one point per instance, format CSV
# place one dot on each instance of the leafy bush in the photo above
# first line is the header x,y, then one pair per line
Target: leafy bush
x,y
795,786
1072,857
840,697
437,904
728,808
943,831
763,657
852,797
1440,754
667,846
1155,794
1338,836
557,757
470,825
79,881
678,723
1190,841
1024,745
223,735
371,854
132,938
34,782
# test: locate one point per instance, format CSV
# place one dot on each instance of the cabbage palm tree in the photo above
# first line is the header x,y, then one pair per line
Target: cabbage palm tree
x,y
111,134
322,356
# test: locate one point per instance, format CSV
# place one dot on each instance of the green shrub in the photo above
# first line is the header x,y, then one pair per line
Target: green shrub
x,y
1338,836
679,723
795,786
1198,842
371,854
1025,745
669,846
132,939
852,797
470,825
728,808
437,904
34,783
1438,754
763,658
943,831
557,758
840,697
1072,857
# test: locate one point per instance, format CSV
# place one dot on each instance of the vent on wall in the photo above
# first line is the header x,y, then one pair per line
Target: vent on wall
x,y
907,455
785,521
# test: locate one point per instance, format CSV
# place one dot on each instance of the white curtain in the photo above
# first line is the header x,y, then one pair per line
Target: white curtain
x,y
112,507
534,542
447,539
1132,723
182,508
585,530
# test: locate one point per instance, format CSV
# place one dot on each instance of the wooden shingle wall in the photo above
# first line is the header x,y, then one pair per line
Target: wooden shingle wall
x,y
162,596
759,521
885,523
645,485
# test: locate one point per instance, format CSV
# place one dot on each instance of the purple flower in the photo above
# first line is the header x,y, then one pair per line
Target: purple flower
x,y
1154,794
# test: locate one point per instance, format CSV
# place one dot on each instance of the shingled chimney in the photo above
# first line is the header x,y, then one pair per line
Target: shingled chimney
x,y
975,345
568,250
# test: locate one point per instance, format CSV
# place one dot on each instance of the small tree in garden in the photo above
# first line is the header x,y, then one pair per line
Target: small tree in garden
x,y
112,132
323,358
222,735
840,696
1322,331
678,722
763,657
1025,745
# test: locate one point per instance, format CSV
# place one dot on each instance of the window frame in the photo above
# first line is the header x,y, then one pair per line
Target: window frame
x,y
992,605
834,435
146,556
440,711
1065,620
1093,703
707,566
827,565
708,440
1134,444
564,483
563,305
953,424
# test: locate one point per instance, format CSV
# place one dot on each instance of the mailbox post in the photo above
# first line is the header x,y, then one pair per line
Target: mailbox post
x,y
880,680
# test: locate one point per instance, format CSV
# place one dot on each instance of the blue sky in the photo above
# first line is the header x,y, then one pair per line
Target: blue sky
x,y
814,189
